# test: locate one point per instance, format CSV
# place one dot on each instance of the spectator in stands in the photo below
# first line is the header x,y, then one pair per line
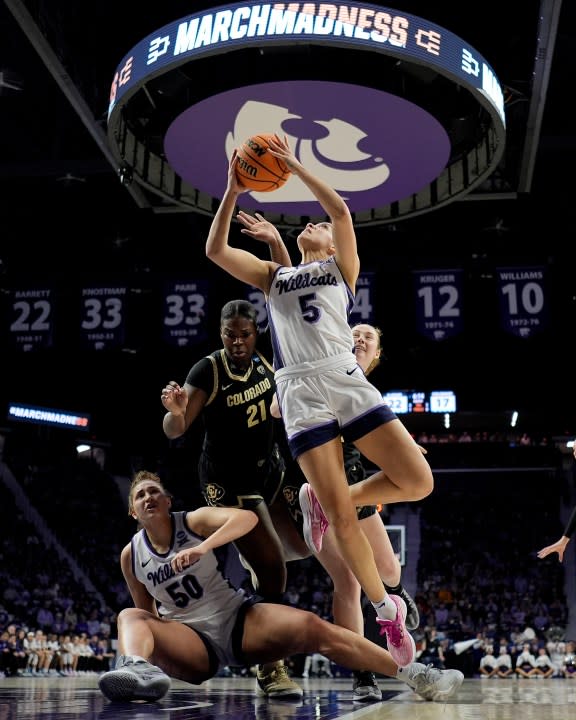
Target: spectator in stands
x,y
317,665
32,651
544,667
441,616
504,661
59,625
6,658
45,617
292,596
13,658
488,664
557,651
105,628
432,650
51,660
85,653
81,627
93,622
20,651
4,616
68,656
71,617
104,655
569,662
526,662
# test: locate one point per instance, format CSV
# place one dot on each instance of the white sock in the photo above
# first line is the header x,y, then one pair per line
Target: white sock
x,y
406,674
403,673
386,608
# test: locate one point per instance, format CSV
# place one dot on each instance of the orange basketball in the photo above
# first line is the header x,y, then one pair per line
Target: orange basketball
x,y
257,169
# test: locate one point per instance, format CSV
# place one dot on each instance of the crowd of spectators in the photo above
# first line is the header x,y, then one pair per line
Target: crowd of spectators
x,y
32,653
512,439
477,576
50,622
479,581
528,660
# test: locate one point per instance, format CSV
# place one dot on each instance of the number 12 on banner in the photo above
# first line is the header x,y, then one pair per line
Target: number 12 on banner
x,y
438,303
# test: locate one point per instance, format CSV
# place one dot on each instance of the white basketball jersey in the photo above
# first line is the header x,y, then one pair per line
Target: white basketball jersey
x,y
308,310
200,596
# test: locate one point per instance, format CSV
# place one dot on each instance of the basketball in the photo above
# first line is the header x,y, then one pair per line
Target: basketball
x,y
257,169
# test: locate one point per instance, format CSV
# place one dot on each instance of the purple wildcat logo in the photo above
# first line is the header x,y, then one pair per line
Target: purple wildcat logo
x,y
374,148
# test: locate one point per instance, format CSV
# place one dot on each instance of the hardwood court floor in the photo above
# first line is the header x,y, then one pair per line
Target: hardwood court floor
x,y
63,698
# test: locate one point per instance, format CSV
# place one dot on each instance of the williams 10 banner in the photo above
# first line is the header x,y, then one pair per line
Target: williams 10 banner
x,y
522,293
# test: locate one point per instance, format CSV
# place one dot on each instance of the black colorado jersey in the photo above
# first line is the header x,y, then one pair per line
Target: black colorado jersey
x,y
236,417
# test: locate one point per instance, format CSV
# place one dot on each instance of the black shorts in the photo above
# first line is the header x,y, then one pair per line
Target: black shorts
x,y
355,474
237,659
293,481
241,485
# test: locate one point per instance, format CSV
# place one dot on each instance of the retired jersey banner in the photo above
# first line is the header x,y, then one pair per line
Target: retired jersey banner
x,y
438,303
103,317
363,310
258,299
184,312
30,315
522,295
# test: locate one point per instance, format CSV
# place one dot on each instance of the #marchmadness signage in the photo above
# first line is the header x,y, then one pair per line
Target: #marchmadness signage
x,y
38,415
372,146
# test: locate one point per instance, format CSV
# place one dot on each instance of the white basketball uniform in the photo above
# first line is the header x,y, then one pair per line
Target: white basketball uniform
x,y
322,391
200,596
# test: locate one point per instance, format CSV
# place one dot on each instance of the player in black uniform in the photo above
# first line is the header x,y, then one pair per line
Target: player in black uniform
x,y
240,464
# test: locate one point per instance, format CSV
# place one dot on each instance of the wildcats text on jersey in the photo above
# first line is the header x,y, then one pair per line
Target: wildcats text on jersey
x,y
161,575
306,280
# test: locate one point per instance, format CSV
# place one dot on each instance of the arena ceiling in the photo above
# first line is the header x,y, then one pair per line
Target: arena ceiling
x,y
59,57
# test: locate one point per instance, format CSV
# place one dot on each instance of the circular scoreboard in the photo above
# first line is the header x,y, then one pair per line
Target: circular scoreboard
x,y
398,114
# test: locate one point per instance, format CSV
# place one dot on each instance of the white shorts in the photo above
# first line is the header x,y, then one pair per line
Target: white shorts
x,y
324,399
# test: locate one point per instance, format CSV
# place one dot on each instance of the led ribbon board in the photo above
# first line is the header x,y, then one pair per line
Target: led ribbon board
x,y
48,416
262,34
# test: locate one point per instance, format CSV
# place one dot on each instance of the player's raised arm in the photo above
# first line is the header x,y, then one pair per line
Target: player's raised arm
x,y
239,263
